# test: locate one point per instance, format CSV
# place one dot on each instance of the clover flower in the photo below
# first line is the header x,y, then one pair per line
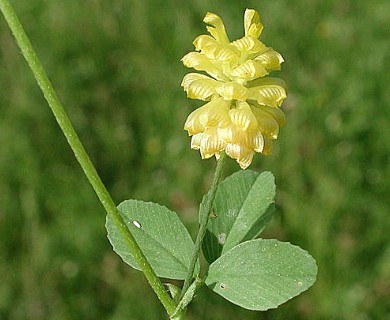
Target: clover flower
x,y
242,114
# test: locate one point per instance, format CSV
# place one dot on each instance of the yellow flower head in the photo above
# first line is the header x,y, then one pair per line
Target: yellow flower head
x,y
242,114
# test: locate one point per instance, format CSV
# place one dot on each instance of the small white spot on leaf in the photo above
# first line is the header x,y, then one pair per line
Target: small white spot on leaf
x,y
137,224
222,286
222,238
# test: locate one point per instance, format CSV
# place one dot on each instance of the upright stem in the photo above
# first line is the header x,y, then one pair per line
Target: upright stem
x,y
204,214
80,153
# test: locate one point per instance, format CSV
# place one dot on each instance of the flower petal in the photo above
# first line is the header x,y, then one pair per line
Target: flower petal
x,y
216,27
227,133
196,141
210,144
252,24
204,41
214,50
249,70
268,91
232,91
191,77
242,154
199,86
267,81
276,113
235,150
216,113
200,62
257,142
267,150
249,139
250,44
212,114
267,125
243,117
246,160
192,124
270,60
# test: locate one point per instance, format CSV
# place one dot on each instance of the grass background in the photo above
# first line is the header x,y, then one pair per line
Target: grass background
x,y
116,67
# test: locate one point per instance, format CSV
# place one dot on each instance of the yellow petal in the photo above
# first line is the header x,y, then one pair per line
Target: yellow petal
x,y
232,134
267,147
196,141
222,53
203,41
226,133
250,44
252,24
276,113
216,27
234,150
243,117
192,124
250,139
210,144
214,50
270,60
202,89
267,125
242,154
200,62
246,160
212,114
249,70
268,92
216,113
232,91
199,86
267,81
257,142
191,77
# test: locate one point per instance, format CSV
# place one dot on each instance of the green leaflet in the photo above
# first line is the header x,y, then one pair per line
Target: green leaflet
x,y
262,274
242,208
162,237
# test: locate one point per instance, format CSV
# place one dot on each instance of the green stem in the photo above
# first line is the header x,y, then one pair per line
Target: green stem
x,y
204,214
80,153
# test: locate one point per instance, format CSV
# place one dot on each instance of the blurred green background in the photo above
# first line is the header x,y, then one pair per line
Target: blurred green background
x,y
116,66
